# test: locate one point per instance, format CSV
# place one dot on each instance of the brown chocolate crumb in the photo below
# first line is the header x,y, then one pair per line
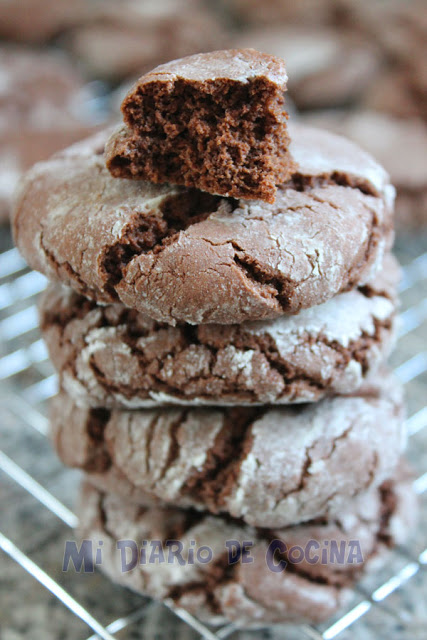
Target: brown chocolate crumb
x,y
212,121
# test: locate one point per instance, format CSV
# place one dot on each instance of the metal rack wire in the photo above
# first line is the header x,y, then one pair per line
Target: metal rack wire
x,y
41,486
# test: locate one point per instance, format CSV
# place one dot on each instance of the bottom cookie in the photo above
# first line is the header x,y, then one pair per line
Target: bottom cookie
x,y
220,569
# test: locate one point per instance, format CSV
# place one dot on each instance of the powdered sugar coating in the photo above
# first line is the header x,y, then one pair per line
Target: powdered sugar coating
x,y
342,319
239,65
249,594
108,357
273,467
242,261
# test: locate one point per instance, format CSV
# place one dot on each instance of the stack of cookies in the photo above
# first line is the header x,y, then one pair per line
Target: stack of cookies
x,y
220,342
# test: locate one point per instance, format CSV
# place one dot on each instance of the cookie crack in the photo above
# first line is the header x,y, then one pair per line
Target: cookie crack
x,y
267,283
220,572
215,480
64,270
154,369
305,470
150,234
174,447
99,459
302,478
302,182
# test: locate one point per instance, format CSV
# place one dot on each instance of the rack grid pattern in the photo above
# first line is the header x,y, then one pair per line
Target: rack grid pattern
x,y
27,382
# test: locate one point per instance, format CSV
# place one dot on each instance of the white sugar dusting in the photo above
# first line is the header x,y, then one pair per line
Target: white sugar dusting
x,y
342,319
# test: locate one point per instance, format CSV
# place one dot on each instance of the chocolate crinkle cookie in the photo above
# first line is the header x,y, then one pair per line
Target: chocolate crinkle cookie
x,y
40,97
182,255
111,356
293,575
39,21
125,39
272,467
215,121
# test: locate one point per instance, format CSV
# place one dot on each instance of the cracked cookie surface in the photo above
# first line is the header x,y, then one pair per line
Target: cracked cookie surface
x,y
268,466
111,356
250,594
182,255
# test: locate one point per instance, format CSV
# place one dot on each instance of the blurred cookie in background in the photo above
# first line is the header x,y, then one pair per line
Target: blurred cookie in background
x,y
400,29
38,21
341,52
43,108
271,12
130,37
398,25
325,68
401,93
35,86
400,145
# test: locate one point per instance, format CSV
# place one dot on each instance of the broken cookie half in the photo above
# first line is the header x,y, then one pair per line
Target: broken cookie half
x,y
215,121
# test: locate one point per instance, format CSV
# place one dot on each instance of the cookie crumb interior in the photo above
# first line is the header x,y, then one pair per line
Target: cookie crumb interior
x,y
220,135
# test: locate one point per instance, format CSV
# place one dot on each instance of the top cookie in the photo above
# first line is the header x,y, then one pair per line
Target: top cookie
x,y
181,255
215,121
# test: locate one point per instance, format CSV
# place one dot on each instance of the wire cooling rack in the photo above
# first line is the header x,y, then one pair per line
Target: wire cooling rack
x,y
38,600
